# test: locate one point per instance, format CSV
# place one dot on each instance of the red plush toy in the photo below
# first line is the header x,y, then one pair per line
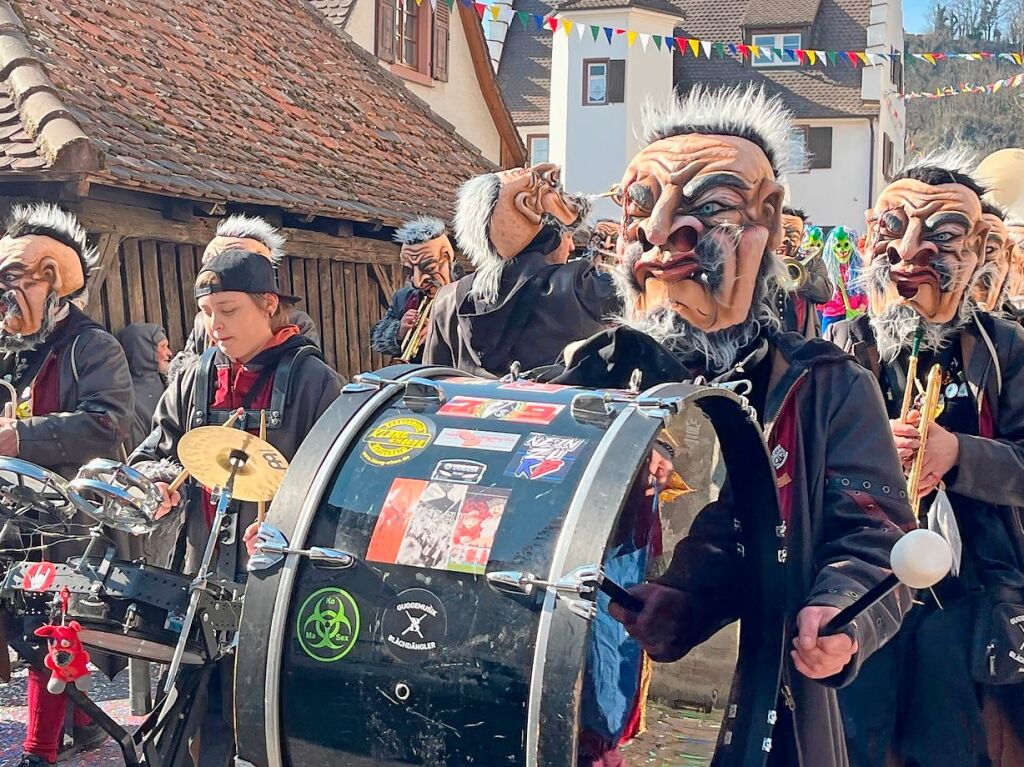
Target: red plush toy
x,y
66,657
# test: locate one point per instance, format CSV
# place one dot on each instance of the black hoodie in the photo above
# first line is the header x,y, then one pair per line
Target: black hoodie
x,y
140,341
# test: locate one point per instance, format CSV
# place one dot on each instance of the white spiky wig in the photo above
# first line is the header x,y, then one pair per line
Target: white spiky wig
x,y
254,228
956,159
50,221
422,229
742,111
474,209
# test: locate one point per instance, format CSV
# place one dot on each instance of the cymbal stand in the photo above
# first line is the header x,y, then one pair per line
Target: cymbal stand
x,y
237,460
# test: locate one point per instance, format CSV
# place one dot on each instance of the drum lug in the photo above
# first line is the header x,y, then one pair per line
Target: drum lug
x,y
584,608
592,409
513,582
272,546
579,583
658,407
421,393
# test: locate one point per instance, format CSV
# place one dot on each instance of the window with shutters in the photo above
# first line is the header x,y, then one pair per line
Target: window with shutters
x,y
413,38
817,144
604,81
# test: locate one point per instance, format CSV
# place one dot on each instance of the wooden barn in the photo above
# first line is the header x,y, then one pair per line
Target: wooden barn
x,y
153,119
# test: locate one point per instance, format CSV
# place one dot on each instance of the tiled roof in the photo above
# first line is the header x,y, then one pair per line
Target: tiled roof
x,y
810,92
251,101
664,6
337,11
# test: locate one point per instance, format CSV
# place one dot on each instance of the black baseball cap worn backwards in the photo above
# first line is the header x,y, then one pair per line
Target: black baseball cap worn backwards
x,y
242,271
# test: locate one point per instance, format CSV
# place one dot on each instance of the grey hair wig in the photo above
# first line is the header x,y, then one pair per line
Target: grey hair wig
x,y
743,111
254,228
478,198
48,220
957,158
422,229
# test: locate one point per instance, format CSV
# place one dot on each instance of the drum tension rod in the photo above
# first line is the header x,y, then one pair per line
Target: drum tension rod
x,y
272,547
572,587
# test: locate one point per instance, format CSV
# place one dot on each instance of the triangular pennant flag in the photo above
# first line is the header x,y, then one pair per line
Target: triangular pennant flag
x,y
706,46
1018,59
720,50
852,58
737,51
581,30
608,34
418,2
919,56
681,45
940,56
875,59
929,57
695,47
495,12
801,55
524,18
863,57
620,31
480,9
630,38
833,57
433,5
997,86
812,56
644,40
595,31
538,20
657,41
567,26
755,50
790,54
669,42
552,23
776,54
451,4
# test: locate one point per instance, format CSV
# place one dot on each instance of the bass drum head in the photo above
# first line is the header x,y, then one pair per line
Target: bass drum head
x,y
443,646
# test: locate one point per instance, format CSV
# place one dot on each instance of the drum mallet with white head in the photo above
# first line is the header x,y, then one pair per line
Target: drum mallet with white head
x,y
920,559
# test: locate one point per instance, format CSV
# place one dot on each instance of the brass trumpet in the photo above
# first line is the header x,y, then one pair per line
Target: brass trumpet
x,y
929,412
796,273
411,345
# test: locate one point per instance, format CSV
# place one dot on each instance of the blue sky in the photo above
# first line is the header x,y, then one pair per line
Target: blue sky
x,y
915,15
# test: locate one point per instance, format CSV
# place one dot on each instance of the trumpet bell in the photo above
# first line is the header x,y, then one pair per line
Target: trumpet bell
x,y
796,275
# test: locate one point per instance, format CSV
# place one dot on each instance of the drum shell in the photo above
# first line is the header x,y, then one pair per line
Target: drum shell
x,y
509,676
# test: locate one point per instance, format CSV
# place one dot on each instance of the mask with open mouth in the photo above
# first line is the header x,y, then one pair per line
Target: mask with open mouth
x,y
990,290
427,255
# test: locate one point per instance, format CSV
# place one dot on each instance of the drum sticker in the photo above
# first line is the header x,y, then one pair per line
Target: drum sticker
x,y
396,440
545,457
39,577
328,624
437,525
532,386
414,625
456,470
515,411
471,439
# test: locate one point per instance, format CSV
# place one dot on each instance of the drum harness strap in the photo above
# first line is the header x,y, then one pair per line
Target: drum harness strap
x,y
202,395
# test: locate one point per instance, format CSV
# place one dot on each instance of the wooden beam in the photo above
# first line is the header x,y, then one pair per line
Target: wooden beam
x,y
107,246
176,209
385,279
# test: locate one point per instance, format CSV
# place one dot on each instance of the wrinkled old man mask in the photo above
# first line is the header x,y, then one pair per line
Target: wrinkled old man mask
x,y
1015,279
529,198
428,265
998,255
931,238
31,269
792,236
704,210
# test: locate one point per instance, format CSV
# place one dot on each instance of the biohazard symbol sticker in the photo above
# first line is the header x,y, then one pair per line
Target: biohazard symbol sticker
x,y
328,624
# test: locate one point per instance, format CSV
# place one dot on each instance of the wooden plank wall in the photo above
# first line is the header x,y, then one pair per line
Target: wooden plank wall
x,y
152,281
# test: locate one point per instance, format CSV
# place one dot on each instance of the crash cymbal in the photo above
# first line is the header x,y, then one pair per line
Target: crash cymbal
x,y
205,452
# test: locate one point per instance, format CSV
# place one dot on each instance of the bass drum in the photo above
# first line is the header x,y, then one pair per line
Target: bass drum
x,y
454,620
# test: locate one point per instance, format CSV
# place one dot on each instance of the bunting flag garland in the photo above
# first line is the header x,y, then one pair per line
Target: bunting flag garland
x,y
694,47
957,90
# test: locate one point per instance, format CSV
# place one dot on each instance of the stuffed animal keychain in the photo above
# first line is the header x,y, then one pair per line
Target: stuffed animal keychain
x,y
65,657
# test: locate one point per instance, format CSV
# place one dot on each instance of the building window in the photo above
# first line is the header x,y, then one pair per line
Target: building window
x,y
896,70
768,43
537,148
414,38
818,146
595,82
888,150
604,81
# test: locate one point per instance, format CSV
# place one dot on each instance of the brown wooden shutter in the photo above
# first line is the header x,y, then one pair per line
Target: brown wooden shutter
x,y
616,81
819,147
439,49
385,21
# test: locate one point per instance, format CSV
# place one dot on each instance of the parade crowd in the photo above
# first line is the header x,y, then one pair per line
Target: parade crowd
x,y
711,274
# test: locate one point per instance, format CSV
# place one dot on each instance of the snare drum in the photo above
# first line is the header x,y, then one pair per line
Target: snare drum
x,y
465,520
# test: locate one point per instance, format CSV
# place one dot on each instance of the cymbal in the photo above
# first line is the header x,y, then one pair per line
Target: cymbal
x,y
205,453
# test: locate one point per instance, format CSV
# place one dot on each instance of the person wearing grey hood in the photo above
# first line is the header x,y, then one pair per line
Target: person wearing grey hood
x,y
523,303
149,356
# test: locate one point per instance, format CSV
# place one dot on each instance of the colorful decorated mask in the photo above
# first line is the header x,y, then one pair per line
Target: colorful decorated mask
x,y
44,259
814,242
427,254
839,244
792,235
702,219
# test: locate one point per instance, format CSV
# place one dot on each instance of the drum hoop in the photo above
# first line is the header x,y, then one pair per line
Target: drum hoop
x,y
304,521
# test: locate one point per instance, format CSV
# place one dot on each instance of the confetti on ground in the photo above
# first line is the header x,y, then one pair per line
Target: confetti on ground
x,y
674,738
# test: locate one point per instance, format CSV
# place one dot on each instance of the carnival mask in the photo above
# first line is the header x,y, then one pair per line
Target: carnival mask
x,y
998,255
840,244
604,242
814,242
428,265
699,214
924,243
528,198
219,244
35,271
793,235
1015,279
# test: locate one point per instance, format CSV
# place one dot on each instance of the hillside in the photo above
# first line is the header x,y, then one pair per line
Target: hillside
x,y
985,122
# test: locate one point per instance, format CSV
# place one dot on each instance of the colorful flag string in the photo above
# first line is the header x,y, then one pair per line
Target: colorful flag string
x,y
958,90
